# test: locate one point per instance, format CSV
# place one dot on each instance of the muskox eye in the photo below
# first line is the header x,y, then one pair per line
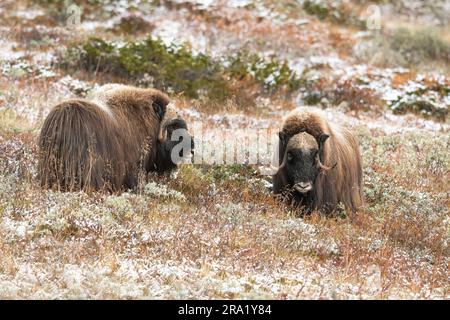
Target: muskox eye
x,y
290,157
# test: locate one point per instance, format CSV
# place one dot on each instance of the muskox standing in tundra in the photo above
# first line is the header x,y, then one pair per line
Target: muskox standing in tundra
x,y
320,163
105,142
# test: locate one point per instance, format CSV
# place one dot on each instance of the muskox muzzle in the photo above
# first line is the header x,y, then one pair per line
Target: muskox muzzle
x,y
303,187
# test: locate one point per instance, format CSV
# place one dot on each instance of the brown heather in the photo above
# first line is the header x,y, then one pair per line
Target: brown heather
x,y
216,232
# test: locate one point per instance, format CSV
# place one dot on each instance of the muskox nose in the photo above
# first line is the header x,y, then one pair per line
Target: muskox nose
x,y
303,187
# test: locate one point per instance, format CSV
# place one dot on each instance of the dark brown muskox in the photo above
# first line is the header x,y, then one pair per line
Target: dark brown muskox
x,y
320,163
105,143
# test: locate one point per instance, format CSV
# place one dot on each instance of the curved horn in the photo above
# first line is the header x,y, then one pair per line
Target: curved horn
x,y
321,166
283,138
321,142
276,168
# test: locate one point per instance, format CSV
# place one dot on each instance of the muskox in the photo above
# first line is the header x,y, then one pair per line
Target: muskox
x,y
104,143
320,163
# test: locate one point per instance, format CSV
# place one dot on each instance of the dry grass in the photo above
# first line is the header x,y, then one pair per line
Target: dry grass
x,y
211,233
217,231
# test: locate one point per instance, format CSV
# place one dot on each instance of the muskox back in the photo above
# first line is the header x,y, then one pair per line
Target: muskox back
x,y
80,148
101,144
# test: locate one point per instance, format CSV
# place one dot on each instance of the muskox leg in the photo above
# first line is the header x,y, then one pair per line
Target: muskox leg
x,y
356,200
131,179
94,177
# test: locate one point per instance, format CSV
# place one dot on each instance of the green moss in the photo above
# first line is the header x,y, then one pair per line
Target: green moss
x,y
172,67
153,63
424,107
415,47
272,74
316,8
335,11
424,101
424,50
313,98
235,172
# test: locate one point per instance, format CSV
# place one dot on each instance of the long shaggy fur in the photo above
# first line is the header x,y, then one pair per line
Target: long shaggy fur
x,y
342,182
103,143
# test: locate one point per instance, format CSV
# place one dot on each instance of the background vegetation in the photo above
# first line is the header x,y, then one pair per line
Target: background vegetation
x,y
216,231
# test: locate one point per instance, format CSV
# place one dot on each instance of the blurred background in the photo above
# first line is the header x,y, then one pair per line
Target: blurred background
x,y
380,68
240,55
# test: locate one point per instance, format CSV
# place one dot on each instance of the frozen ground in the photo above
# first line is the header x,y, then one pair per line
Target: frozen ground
x,y
216,231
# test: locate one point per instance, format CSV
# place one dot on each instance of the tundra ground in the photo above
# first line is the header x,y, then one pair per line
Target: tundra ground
x,y
215,231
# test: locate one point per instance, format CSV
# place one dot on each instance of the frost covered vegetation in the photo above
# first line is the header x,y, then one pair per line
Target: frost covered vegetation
x,y
216,231
175,67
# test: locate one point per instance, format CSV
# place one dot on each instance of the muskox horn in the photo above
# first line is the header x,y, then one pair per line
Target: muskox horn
x,y
321,141
283,139
321,166
275,169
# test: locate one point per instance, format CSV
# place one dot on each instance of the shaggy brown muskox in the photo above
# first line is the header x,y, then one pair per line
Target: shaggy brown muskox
x,y
320,163
106,142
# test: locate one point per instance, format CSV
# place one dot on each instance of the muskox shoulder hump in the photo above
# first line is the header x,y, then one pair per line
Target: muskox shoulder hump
x,y
118,96
305,119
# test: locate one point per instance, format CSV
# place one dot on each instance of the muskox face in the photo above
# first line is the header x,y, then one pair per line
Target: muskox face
x,y
175,145
301,160
179,143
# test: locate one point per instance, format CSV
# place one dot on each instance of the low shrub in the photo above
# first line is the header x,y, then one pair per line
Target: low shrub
x,y
175,68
